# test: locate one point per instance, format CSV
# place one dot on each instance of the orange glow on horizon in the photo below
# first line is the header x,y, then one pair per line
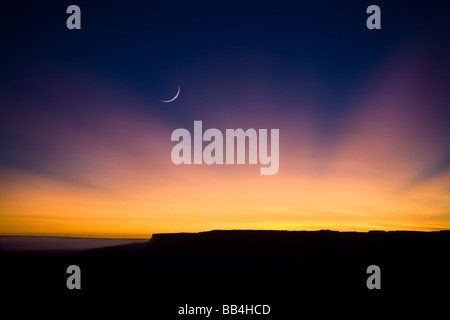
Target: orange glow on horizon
x,y
207,197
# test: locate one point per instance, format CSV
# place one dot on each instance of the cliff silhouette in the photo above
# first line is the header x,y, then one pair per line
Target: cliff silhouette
x,y
286,269
279,247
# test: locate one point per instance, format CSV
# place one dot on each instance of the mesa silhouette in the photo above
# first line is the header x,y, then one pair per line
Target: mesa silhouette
x,y
265,263
251,246
279,268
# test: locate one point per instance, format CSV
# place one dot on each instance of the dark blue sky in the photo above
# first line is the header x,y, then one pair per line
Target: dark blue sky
x,y
149,43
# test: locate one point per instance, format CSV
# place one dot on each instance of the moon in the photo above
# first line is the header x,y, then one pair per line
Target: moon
x,y
174,98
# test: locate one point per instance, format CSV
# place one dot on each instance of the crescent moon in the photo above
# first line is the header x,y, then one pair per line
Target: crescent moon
x,y
174,98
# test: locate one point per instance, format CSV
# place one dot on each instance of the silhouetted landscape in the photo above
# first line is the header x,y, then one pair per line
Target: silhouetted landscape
x,y
295,272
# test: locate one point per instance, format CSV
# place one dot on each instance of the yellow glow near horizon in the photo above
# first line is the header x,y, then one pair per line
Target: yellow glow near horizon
x,y
203,198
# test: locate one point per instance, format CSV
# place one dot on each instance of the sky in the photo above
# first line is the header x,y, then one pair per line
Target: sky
x,y
85,142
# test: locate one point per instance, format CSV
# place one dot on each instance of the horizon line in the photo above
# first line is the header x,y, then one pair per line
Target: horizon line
x,y
215,230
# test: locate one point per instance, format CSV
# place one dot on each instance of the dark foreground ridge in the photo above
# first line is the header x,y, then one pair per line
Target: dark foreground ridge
x,y
275,247
295,272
